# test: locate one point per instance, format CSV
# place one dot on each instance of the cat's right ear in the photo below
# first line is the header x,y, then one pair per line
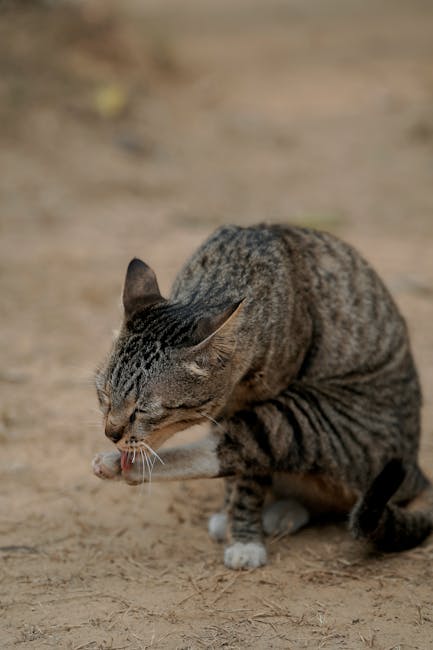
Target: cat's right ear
x,y
140,289
218,334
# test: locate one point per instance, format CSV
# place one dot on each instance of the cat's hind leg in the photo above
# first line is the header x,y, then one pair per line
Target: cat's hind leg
x,y
281,517
284,517
219,521
218,525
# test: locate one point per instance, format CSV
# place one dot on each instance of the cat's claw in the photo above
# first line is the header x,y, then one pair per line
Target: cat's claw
x,y
106,465
245,556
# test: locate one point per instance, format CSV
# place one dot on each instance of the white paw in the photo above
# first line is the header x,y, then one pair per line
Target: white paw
x,y
284,517
107,465
217,526
245,556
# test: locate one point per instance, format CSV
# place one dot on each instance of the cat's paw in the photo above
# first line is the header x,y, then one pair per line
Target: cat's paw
x,y
245,556
107,465
217,526
284,517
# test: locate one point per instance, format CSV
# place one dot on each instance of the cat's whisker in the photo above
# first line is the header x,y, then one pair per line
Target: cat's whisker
x,y
153,452
208,417
146,457
144,477
133,457
148,469
151,464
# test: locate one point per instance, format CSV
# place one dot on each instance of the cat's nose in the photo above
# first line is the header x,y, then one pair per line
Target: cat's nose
x,y
113,432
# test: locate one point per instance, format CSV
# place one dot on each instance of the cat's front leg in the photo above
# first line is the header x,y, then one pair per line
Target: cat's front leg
x,y
246,549
197,460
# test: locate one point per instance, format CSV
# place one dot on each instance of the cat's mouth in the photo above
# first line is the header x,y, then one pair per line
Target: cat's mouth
x,y
143,454
134,448
144,450
126,460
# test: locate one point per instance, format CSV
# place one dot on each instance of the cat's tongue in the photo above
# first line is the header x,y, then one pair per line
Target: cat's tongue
x,y
125,461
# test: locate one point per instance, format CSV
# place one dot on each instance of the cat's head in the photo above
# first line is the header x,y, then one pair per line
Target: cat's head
x,y
170,367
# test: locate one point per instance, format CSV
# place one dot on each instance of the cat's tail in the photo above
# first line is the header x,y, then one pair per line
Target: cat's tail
x,y
388,526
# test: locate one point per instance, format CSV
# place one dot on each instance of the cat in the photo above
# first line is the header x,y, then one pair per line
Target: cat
x,y
288,342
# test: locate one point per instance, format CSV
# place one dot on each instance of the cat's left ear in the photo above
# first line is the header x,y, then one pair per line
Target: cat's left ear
x,y
140,288
217,334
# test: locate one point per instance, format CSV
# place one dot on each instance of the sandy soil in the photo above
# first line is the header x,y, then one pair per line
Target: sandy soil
x,y
136,133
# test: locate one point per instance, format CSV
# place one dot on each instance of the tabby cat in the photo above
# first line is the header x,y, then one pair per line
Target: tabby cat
x,y
287,341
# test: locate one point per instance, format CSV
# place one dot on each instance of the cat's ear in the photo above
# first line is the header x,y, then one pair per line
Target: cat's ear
x,y
140,288
217,334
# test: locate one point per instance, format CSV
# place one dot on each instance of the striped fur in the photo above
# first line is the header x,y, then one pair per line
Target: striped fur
x,y
288,340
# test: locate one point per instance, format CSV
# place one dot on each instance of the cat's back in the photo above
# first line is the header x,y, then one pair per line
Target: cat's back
x,y
299,280
263,260
357,323
233,263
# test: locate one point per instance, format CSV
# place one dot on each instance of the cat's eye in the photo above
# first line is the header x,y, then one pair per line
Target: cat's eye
x,y
132,416
189,406
178,406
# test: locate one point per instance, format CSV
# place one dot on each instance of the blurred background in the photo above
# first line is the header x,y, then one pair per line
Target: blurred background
x,y
136,128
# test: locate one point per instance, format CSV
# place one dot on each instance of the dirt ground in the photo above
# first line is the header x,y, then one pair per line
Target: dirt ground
x,y
136,131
